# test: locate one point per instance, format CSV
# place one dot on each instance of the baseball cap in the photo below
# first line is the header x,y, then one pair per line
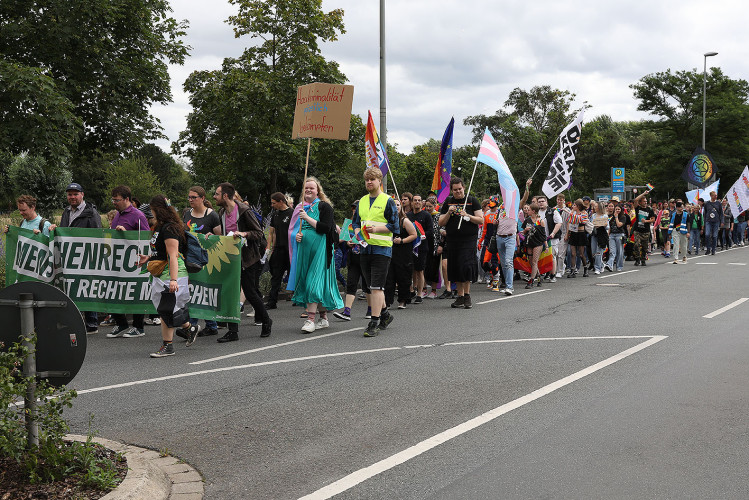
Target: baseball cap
x,y
586,198
74,186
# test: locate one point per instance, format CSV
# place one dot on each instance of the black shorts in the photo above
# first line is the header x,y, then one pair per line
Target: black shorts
x,y
375,270
420,260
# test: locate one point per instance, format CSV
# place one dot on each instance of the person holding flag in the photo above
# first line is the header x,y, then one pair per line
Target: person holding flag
x,y
461,216
376,218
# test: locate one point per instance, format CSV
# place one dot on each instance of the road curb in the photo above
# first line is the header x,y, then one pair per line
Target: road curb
x,y
151,475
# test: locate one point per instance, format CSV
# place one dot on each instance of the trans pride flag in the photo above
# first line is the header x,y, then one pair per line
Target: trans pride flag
x,y
489,154
444,168
376,155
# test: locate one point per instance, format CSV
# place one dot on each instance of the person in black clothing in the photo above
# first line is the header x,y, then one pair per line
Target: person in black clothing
x,y
238,219
462,226
534,228
417,214
78,213
401,262
278,244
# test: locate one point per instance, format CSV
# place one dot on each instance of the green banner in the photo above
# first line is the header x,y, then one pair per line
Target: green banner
x,y
97,268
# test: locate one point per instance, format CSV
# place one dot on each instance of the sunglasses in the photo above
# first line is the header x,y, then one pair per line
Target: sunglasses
x,y
192,197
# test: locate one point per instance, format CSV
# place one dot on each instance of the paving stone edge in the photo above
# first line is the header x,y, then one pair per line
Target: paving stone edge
x,y
151,475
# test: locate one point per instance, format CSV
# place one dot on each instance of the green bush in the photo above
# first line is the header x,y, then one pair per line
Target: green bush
x,y
54,458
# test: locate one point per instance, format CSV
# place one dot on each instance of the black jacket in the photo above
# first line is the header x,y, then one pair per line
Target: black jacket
x,y
89,218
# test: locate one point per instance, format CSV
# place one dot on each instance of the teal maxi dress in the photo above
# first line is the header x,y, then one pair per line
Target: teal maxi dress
x,y
315,271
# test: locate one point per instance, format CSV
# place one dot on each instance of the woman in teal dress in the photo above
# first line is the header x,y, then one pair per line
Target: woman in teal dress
x,y
316,286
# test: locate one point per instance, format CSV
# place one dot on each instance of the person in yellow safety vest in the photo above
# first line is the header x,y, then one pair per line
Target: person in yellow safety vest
x,y
376,219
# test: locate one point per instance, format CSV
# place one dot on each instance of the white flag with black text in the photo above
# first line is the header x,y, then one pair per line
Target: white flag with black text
x,y
560,172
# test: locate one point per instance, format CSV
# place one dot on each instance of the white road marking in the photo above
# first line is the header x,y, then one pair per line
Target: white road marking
x,y
617,274
608,284
322,356
736,263
726,308
362,475
306,339
706,263
512,296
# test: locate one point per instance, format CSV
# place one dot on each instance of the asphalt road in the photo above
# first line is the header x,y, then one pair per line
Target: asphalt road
x,y
612,386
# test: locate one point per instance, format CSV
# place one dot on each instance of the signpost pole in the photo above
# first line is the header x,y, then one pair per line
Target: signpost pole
x,y
26,305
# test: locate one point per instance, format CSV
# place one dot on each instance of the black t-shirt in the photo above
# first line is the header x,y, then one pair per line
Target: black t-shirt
x,y
468,230
642,214
614,229
280,224
537,235
202,225
158,241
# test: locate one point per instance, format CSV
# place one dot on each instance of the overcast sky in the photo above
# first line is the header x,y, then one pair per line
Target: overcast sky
x,y
460,58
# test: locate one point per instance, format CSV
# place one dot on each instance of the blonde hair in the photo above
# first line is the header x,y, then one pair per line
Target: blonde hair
x,y
373,173
320,192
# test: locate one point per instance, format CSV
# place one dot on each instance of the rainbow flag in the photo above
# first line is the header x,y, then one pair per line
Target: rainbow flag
x,y
420,236
376,154
444,168
650,186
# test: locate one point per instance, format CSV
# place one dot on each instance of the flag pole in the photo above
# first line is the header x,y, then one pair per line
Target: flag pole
x,y
390,171
465,203
545,156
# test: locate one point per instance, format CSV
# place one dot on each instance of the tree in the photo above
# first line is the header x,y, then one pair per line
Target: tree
x,y
676,99
43,179
527,128
240,126
37,119
605,144
172,177
137,175
108,58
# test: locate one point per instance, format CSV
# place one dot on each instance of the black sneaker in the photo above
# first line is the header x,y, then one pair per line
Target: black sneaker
x,y
183,333
643,263
445,295
229,337
265,332
455,294
585,272
467,301
192,334
385,321
270,305
637,262
459,302
342,315
372,329
418,300
164,350
207,332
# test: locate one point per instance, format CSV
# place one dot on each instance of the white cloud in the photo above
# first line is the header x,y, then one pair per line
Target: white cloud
x,y
460,58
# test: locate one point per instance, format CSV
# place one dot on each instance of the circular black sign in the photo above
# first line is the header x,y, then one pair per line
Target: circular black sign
x,y
61,331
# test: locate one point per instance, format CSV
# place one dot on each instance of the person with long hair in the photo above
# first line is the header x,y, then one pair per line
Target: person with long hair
x,y
599,238
401,262
315,285
534,228
576,237
199,217
618,227
169,290
432,269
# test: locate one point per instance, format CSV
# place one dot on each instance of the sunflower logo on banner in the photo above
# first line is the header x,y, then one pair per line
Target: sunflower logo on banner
x,y
700,168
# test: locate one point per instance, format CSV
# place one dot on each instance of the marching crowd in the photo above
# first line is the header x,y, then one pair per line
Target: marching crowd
x,y
415,246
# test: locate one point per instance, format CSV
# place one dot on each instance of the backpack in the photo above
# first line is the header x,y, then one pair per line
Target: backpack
x,y
195,256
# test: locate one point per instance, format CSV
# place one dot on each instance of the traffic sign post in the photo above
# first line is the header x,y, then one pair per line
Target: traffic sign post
x,y
617,180
61,339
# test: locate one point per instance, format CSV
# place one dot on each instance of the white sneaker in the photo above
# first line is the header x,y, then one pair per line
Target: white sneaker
x,y
553,280
322,323
597,271
508,291
309,326
559,275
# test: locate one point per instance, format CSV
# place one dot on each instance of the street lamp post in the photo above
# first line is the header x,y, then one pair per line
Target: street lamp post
x,y
704,93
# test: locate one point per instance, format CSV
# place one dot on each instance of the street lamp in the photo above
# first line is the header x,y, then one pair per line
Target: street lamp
x,y
704,93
